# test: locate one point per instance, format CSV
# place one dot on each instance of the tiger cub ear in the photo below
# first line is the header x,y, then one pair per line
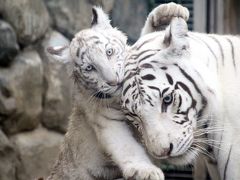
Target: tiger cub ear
x,y
59,53
100,19
176,33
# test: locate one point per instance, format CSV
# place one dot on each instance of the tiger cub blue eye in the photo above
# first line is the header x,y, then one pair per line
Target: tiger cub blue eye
x,y
109,51
89,68
167,99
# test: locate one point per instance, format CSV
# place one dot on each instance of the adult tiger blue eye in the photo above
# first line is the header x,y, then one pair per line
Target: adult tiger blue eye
x,y
167,99
89,68
109,51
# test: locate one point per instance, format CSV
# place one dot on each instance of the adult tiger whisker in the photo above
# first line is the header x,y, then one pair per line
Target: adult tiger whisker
x,y
208,130
210,144
206,140
203,150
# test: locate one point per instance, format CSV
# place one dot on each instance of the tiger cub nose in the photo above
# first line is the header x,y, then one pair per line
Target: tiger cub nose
x,y
112,83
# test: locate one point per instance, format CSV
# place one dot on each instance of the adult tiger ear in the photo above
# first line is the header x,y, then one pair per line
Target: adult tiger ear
x,y
100,19
60,53
175,35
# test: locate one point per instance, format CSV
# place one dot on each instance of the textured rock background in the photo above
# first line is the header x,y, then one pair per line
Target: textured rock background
x,y
56,107
8,46
35,91
29,18
137,10
24,84
68,17
37,151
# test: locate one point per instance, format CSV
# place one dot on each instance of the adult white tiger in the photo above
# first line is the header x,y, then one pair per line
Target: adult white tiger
x,y
179,88
97,130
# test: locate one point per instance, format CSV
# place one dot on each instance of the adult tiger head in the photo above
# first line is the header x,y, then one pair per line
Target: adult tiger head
x,y
163,95
96,57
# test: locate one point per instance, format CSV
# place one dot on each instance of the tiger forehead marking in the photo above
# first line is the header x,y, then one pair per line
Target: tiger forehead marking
x,y
89,39
158,82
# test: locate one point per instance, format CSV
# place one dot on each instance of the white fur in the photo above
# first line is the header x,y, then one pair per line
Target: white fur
x,y
97,135
200,56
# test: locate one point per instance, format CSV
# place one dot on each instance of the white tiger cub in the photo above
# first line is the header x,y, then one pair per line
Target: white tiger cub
x,y
180,87
98,141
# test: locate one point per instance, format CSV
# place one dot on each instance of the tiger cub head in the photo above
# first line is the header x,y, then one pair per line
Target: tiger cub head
x,y
164,96
95,57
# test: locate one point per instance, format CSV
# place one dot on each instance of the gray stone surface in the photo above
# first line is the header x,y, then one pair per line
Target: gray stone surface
x,y
8,159
107,5
8,44
130,16
37,152
29,18
71,16
57,86
7,102
21,89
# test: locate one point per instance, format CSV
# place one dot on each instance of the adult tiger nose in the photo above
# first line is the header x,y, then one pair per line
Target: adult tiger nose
x,y
167,151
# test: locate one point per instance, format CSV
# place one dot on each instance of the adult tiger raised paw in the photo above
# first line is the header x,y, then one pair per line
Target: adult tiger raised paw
x,y
162,15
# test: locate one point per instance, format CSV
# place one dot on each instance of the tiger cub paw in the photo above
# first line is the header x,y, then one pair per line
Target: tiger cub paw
x,y
143,172
163,14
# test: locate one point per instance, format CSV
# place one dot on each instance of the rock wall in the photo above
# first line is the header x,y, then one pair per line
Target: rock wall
x,y
35,91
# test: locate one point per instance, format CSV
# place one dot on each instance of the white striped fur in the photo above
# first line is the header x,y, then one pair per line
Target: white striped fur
x,y
98,141
201,73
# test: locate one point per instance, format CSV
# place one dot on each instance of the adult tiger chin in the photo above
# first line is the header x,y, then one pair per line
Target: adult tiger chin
x,y
181,92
